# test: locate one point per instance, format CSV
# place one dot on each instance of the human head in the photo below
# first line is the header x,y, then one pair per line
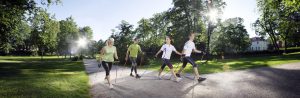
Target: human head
x,y
192,36
135,40
168,40
110,41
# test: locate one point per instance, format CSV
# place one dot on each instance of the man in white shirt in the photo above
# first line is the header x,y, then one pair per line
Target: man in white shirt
x,y
188,48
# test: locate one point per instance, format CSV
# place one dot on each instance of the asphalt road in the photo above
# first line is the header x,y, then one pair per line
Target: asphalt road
x,y
282,81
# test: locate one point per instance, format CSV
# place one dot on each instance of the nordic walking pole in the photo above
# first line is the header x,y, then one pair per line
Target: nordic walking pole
x,y
195,78
124,65
116,72
99,66
142,59
193,87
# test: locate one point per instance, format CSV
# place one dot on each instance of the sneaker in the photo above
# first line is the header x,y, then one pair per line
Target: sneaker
x,y
201,79
137,76
131,75
178,79
177,74
111,86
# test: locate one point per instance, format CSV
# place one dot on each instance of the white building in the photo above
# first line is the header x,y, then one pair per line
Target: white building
x,y
258,44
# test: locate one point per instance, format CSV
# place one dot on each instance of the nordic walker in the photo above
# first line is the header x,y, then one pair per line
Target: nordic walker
x,y
108,54
167,50
188,48
133,51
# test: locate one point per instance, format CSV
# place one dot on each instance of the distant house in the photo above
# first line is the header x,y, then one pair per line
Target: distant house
x,y
258,44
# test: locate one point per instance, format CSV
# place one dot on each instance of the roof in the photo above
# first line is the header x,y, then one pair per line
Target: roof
x,y
257,39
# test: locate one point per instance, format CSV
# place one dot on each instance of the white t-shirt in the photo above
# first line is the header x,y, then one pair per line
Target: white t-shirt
x,y
188,47
167,51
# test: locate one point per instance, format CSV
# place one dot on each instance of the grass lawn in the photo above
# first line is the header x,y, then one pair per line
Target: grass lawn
x,y
232,64
30,78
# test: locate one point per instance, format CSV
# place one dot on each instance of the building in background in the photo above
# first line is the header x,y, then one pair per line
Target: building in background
x,y
258,44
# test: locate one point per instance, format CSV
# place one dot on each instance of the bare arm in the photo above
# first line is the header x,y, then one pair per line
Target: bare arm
x,y
116,55
140,50
197,51
158,52
101,54
178,52
127,53
183,52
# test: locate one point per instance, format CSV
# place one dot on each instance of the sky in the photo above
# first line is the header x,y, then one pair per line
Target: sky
x,y
104,15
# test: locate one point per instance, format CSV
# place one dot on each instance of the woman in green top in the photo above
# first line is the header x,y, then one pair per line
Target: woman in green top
x,y
108,53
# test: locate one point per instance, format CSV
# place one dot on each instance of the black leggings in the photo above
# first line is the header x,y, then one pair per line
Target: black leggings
x,y
107,66
134,64
188,60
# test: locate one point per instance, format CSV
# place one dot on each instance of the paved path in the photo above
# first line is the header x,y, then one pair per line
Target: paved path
x,y
277,82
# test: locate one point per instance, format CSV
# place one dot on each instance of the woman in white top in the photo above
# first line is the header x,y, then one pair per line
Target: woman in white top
x,y
107,55
167,50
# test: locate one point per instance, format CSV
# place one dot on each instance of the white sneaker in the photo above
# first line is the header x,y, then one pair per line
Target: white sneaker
x,y
111,86
178,79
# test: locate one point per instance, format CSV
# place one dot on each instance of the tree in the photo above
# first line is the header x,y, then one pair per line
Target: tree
x,y
11,12
69,32
123,38
279,20
191,16
44,33
230,37
86,32
21,38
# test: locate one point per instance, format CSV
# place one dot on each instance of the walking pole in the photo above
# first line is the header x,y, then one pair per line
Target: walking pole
x,y
99,66
193,87
116,71
142,59
124,65
195,78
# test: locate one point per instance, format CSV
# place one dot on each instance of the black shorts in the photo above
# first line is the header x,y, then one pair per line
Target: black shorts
x,y
166,62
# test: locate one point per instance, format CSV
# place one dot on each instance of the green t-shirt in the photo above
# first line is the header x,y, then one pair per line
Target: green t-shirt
x,y
133,50
109,53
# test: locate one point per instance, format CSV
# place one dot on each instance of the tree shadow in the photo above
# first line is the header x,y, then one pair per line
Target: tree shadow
x,y
284,82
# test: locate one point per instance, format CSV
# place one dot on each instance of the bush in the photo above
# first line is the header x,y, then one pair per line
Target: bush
x,y
75,58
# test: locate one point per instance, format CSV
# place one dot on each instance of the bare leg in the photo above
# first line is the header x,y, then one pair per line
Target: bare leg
x,y
173,73
108,79
196,74
180,70
159,73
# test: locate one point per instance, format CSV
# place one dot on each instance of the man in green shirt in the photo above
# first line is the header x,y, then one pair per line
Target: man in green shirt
x,y
133,51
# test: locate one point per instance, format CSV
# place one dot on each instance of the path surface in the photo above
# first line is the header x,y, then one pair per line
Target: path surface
x,y
277,82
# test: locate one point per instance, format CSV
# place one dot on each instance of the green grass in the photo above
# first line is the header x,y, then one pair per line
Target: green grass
x,y
290,48
216,66
53,77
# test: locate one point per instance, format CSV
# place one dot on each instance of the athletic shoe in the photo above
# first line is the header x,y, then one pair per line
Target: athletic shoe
x,y
137,76
131,75
178,79
177,74
111,86
201,79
